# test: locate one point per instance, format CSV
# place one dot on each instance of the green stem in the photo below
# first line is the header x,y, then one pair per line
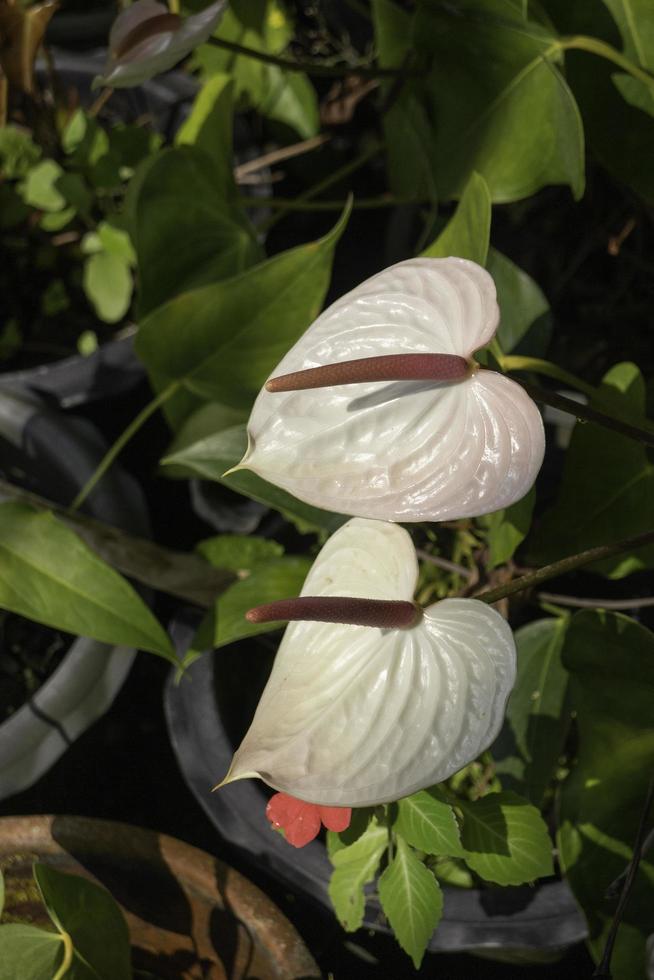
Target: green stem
x,y
565,565
121,442
309,67
326,182
593,45
67,961
513,362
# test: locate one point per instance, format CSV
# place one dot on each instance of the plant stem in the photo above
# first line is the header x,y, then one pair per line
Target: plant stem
x,y
67,961
309,67
328,181
276,156
361,203
513,362
565,565
579,602
604,966
593,45
121,442
100,102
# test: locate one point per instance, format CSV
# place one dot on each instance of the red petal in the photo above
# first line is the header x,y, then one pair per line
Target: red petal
x,y
336,818
300,821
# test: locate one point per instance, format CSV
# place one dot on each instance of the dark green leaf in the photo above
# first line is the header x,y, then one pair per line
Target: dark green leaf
x,y
209,126
492,82
237,552
427,822
354,867
507,528
212,457
635,20
48,574
538,714
607,490
223,340
279,578
525,322
412,901
506,839
18,152
28,953
611,663
93,921
467,233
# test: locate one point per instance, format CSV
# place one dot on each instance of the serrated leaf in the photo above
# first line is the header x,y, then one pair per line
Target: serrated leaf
x,y
412,901
607,489
29,953
538,714
212,457
354,867
427,821
359,822
48,574
279,578
467,233
506,839
610,659
92,919
238,552
237,330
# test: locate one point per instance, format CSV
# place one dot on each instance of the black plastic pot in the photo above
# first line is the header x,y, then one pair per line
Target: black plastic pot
x,y
53,455
534,920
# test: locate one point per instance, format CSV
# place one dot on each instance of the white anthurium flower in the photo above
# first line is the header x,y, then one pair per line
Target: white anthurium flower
x,y
146,39
425,436
359,715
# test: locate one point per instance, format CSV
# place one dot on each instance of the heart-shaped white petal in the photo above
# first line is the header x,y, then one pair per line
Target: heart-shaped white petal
x,y
401,451
355,715
159,52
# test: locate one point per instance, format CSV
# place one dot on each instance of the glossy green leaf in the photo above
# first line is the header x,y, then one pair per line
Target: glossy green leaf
x,y
290,98
92,919
607,489
412,901
506,839
611,663
635,20
278,578
238,552
184,240
212,457
525,321
48,574
354,867
29,953
491,84
108,284
222,341
507,528
427,822
538,713
467,233
209,126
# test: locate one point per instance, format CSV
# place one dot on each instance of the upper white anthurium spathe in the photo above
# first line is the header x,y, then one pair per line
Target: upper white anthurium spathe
x,y
359,715
146,39
416,446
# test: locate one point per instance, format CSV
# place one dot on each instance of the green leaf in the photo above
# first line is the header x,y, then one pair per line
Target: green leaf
x,y
18,152
538,713
290,98
507,528
186,240
212,457
525,321
505,839
209,126
412,901
611,662
359,823
28,953
48,574
40,187
108,284
467,233
209,420
278,578
492,82
2,892
238,552
427,822
223,340
635,20
607,489
93,921
354,867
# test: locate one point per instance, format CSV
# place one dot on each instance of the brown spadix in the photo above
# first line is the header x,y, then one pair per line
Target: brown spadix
x,y
382,613
385,367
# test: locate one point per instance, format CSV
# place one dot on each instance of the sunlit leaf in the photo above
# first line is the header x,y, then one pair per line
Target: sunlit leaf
x,y
29,953
412,901
427,822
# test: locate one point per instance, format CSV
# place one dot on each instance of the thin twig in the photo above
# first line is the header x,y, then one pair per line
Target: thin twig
x,y
100,102
444,563
577,601
604,966
283,153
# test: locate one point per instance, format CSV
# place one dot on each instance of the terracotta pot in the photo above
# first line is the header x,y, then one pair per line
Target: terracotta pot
x,y
190,916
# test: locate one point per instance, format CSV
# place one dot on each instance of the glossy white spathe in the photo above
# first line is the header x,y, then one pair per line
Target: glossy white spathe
x,y
404,450
356,715
159,49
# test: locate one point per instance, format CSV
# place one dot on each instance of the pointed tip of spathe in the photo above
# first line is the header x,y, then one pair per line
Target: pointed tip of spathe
x,y
232,776
235,469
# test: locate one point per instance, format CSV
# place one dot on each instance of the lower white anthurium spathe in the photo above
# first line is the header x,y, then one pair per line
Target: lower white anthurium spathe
x,y
410,437
359,715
